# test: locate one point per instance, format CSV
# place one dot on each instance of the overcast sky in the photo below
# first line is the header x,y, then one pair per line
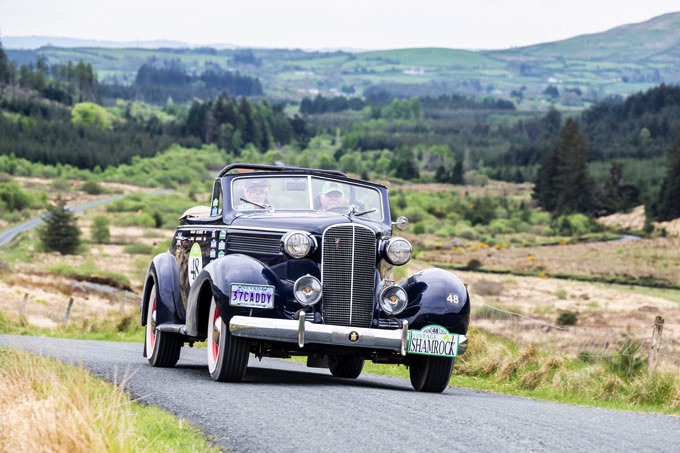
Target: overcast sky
x,y
322,24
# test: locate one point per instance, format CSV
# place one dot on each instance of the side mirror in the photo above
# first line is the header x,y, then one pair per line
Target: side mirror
x,y
401,223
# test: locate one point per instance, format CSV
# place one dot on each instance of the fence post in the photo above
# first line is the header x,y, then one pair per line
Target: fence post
x,y
22,311
655,344
68,310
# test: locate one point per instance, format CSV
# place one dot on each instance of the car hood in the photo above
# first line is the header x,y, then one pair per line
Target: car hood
x,y
311,221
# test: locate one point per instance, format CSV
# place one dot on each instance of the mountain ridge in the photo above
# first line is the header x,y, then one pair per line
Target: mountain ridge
x,y
584,69
32,42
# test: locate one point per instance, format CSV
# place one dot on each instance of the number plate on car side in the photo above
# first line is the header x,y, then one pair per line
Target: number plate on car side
x,y
251,296
432,340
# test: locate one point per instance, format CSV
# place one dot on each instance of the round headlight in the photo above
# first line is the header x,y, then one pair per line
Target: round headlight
x,y
393,300
307,290
297,244
398,251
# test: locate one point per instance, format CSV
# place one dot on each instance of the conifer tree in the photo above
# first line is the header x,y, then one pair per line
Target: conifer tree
x,y
4,67
669,196
562,184
60,232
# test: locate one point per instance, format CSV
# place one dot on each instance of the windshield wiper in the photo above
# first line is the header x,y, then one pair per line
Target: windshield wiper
x,y
360,213
268,207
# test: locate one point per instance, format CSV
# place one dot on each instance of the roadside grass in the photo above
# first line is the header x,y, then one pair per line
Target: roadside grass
x,y
499,365
491,363
50,406
123,327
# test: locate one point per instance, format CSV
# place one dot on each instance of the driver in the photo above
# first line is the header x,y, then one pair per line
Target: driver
x,y
332,195
256,191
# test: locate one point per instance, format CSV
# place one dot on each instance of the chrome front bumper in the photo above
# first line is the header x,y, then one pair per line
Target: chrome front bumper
x,y
302,332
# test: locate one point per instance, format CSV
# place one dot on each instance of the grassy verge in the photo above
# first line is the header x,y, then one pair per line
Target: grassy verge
x,y
499,365
49,406
120,328
492,363
619,382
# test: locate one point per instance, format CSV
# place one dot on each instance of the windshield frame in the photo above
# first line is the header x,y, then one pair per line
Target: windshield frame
x,y
365,199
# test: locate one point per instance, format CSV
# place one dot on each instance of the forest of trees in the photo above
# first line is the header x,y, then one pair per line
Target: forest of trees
x,y
64,124
433,107
156,83
580,162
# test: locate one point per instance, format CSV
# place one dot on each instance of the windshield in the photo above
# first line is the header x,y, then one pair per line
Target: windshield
x,y
304,193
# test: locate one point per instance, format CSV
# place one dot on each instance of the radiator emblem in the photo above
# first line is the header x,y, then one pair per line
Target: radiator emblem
x,y
353,336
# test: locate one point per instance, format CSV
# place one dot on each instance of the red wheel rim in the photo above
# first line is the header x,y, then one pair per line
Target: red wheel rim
x,y
152,325
215,343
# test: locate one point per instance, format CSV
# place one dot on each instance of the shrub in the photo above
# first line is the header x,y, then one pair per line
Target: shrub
x,y
100,230
12,197
474,264
92,188
465,231
561,293
567,318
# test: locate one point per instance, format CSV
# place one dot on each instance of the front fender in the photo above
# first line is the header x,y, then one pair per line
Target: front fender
x,y
164,273
437,297
215,281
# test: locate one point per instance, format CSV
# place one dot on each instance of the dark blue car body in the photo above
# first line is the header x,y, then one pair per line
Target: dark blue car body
x,y
229,277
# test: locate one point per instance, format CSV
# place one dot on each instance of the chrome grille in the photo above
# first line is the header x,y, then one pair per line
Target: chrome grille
x,y
348,270
263,245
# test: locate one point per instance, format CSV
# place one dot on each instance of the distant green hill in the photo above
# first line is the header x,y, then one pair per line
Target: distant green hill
x,y
625,60
656,41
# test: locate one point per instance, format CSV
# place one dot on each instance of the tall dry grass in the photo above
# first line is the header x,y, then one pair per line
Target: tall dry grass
x,y
48,406
523,369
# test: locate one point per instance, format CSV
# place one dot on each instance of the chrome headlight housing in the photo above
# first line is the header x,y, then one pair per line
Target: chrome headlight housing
x,y
307,290
393,300
398,251
298,244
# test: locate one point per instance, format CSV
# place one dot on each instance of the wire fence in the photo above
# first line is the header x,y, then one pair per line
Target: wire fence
x,y
656,347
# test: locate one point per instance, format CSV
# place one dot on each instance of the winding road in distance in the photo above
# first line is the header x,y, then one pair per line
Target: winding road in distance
x,y
9,234
283,406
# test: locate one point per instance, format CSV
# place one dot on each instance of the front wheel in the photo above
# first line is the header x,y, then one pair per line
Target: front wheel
x,y
162,348
227,354
430,374
346,367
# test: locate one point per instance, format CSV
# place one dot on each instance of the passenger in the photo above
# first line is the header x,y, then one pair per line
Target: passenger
x,y
332,195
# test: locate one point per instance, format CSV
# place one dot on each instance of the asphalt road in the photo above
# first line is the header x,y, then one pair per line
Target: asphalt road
x,y
285,407
9,234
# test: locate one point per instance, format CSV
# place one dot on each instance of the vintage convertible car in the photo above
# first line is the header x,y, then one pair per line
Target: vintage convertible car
x,y
291,261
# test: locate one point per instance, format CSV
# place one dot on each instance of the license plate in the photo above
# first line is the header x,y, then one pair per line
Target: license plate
x,y
432,340
251,296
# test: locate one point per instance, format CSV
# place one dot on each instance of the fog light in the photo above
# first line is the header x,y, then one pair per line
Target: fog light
x,y
307,290
393,300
